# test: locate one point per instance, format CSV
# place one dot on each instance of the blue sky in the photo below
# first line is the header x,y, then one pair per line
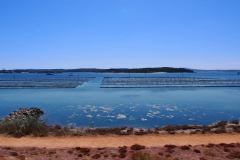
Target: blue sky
x,y
203,34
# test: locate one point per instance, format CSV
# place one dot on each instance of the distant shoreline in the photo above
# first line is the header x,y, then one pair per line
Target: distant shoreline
x,y
111,70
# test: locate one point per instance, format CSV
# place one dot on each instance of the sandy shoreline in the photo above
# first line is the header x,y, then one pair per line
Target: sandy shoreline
x,y
116,141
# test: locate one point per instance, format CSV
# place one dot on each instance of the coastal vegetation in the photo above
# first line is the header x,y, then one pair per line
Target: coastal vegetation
x,y
209,151
25,121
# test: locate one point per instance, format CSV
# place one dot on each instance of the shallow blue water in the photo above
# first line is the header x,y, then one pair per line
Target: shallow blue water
x,y
90,105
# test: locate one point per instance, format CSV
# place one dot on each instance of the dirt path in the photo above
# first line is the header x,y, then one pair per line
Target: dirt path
x,y
115,141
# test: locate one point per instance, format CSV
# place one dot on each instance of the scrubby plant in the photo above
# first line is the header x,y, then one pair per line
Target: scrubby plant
x,y
25,121
57,130
96,156
234,155
137,147
234,121
221,124
84,151
185,148
122,152
141,156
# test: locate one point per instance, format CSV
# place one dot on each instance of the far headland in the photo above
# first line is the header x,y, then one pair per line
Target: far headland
x,y
98,70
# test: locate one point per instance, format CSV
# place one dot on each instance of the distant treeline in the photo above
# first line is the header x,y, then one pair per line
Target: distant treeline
x,y
113,70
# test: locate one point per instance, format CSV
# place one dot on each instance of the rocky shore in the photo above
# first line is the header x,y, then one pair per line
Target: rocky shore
x,y
26,121
215,128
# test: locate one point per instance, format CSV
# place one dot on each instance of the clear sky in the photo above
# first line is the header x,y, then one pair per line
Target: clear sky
x,y
203,34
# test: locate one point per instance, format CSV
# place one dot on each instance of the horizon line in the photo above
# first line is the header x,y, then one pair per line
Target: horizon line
x,y
115,68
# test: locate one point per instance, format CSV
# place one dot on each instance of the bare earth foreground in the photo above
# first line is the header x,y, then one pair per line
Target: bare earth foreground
x,y
116,141
150,147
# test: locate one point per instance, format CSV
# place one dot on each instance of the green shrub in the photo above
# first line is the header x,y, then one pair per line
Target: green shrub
x,y
23,122
141,156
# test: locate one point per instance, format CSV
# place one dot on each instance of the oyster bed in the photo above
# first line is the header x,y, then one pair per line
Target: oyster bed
x,y
125,82
43,82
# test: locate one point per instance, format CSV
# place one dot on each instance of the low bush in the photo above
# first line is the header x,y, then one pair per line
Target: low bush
x,y
210,145
122,150
170,146
234,155
234,122
221,124
96,156
137,147
185,148
196,151
141,156
25,121
84,151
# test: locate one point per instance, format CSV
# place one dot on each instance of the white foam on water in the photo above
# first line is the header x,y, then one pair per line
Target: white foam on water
x,y
121,116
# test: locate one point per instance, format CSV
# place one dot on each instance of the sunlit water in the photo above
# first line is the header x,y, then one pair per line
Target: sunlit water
x,y
91,106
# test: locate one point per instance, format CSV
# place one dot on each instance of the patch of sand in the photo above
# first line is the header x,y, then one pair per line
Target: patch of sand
x,y
116,141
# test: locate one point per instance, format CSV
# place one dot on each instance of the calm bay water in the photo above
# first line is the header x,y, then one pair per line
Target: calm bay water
x,y
90,105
